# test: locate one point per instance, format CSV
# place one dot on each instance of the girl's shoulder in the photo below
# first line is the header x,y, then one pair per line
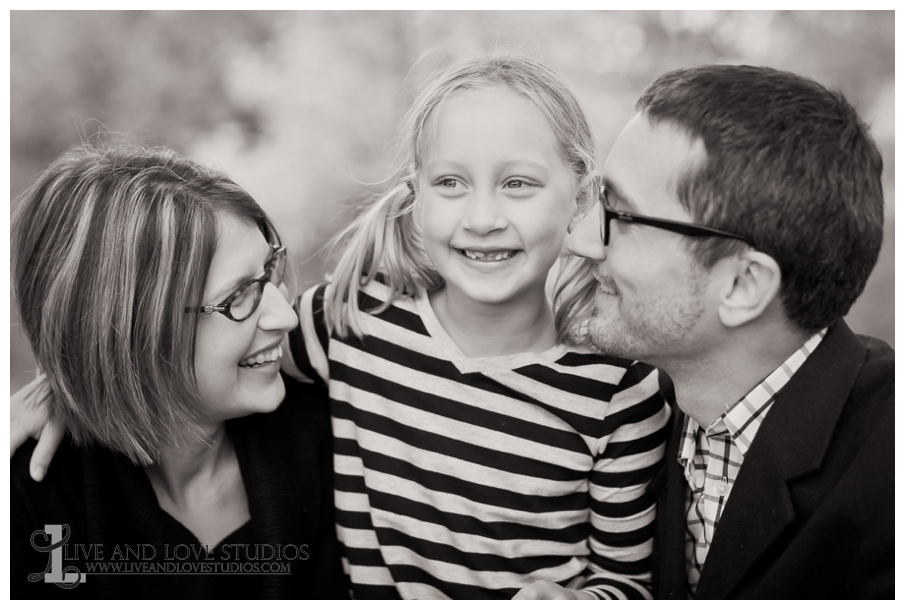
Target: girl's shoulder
x,y
374,292
377,293
584,355
589,363
374,299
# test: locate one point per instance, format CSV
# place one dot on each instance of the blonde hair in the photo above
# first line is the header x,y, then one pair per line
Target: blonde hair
x,y
109,246
386,238
573,299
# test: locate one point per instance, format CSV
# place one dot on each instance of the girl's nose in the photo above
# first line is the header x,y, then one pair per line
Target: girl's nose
x,y
484,215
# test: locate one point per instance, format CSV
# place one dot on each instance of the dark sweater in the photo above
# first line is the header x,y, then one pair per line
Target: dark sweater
x,y
286,462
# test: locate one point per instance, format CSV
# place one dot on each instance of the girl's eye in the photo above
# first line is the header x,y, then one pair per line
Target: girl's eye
x,y
449,183
515,184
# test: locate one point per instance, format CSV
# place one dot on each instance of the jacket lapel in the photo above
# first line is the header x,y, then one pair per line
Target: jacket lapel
x,y
671,578
791,442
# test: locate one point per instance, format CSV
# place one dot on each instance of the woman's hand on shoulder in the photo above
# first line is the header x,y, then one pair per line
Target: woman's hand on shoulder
x,y
29,419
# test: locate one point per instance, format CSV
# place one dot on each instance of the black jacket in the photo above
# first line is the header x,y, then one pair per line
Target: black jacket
x,y
812,513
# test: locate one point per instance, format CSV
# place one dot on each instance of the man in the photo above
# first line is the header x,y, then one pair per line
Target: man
x,y
742,213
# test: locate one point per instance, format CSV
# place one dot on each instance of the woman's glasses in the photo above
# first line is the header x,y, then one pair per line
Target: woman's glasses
x,y
244,300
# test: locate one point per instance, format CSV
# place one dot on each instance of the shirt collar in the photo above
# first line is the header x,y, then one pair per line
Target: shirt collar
x,y
743,419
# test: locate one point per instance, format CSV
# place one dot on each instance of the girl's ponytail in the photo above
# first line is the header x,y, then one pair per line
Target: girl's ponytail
x,y
385,239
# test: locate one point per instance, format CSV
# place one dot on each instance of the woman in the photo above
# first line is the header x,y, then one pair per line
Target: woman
x,y
151,291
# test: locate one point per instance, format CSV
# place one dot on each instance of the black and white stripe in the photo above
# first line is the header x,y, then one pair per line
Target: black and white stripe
x,y
474,477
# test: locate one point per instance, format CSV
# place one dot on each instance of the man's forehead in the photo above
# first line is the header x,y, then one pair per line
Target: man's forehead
x,y
646,163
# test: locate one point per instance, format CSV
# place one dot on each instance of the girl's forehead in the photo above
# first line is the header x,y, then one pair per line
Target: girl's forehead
x,y
486,114
483,100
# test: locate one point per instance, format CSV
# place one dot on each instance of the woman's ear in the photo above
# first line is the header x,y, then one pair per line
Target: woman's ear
x,y
752,284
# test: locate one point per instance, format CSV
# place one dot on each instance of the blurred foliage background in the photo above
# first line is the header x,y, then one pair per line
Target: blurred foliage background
x,y
301,108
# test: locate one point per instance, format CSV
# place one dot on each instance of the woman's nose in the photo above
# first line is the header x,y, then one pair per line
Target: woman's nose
x,y
276,312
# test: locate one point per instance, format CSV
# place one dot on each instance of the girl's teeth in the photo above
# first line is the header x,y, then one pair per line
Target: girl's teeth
x,y
489,256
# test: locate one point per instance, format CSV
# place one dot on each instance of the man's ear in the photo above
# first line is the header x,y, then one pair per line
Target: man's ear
x,y
752,281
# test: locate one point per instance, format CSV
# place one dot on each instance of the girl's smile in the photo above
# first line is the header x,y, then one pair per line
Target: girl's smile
x,y
488,255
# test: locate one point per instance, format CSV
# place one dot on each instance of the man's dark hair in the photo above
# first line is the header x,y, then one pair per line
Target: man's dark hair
x,y
790,165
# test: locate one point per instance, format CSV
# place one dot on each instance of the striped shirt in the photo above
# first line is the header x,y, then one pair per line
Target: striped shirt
x,y
712,457
462,477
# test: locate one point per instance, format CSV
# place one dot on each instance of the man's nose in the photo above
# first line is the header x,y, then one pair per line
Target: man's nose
x,y
584,236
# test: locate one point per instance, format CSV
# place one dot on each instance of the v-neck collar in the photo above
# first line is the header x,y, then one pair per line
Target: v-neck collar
x,y
123,507
149,521
481,364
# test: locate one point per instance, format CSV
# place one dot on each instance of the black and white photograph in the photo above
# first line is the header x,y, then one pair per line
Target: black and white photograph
x,y
432,304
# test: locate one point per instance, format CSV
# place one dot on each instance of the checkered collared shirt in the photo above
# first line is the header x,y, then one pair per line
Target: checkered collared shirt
x,y
712,457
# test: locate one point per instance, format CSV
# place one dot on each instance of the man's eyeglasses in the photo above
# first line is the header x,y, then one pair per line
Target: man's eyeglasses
x,y
608,213
245,299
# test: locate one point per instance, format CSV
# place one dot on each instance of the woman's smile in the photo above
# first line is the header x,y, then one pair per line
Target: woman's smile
x,y
263,358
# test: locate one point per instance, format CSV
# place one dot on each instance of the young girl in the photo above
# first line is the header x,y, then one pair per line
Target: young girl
x,y
477,456
474,453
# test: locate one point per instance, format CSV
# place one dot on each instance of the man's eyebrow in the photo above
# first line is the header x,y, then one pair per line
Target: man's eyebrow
x,y
617,198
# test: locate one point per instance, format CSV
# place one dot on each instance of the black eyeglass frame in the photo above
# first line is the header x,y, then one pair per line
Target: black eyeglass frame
x,y
224,307
689,229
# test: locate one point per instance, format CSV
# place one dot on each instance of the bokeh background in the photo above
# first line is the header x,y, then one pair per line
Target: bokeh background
x,y
301,108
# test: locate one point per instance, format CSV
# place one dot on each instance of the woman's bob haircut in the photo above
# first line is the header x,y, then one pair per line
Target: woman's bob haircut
x,y
109,246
